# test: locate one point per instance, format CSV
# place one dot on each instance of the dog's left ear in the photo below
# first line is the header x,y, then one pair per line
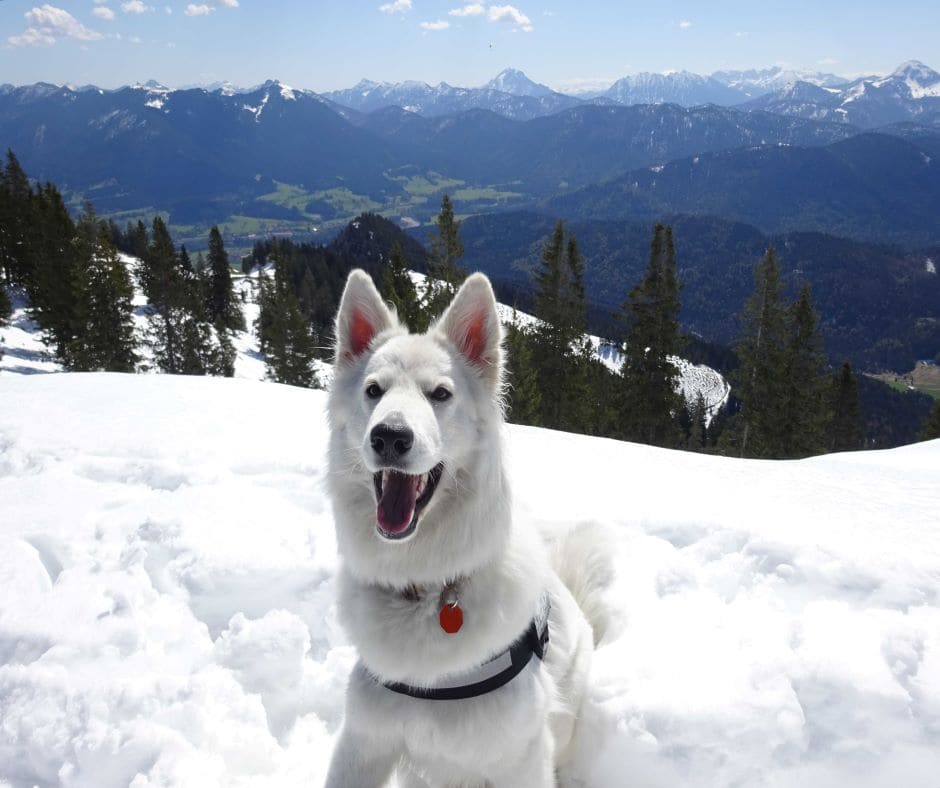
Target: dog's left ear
x,y
472,324
362,314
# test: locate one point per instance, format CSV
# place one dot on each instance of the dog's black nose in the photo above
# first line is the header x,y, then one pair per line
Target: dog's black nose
x,y
391,443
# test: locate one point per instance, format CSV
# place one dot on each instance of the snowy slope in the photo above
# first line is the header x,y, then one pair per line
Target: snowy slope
x,y
167,564
25,353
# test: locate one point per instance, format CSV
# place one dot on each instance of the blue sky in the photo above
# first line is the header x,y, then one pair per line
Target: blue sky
x,y
329,44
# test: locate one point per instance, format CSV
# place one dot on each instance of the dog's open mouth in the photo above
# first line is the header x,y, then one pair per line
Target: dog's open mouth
x,y
400,499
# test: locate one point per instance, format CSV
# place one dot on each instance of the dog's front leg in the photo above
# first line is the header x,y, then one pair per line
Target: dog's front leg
x,y
536,769
359,762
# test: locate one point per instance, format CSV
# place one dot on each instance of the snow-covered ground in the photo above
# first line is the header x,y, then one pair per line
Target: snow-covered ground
x,y
167,563
24,352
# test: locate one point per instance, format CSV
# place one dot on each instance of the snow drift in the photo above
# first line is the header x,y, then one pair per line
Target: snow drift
x,y
166,602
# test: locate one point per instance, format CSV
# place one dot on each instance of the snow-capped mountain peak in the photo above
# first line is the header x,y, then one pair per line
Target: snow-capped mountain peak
x,y
514,81
921,80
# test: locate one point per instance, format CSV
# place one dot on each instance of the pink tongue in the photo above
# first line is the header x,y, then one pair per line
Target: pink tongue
x,y
396,507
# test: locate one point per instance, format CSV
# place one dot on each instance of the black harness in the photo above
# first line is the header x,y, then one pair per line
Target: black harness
x,y
496,672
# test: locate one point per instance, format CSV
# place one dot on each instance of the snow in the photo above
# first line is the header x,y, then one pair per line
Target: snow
x,y
22,350
167,565
256,111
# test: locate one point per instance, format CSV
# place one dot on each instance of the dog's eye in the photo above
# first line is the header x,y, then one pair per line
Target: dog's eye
x,y
373,391
440,394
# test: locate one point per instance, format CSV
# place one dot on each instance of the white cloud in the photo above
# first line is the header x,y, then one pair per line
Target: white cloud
x,y
135,39
103,12
685,24
396,7
135,7
827,61
31,37
471,9
511,15
198,10
168,9
440,24
46,24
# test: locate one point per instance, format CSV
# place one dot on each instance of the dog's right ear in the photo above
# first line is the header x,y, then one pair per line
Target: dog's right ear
x,y
362,314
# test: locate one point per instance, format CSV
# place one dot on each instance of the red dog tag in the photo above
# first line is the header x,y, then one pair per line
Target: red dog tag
x,y
451,618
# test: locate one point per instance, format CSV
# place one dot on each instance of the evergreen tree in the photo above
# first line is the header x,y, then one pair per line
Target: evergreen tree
x,y
106,340
761,387
6,305
222,305
170,296
845,428
444,275
16,219
698,424
523,397
53,283
399,289
283,333
650,405
223,359
806,412
559,348
931,428
139,240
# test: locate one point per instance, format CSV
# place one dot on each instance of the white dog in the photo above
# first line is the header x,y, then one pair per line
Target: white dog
x,y
473,655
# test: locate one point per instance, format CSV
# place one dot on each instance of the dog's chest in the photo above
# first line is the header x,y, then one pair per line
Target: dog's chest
x,y
461,737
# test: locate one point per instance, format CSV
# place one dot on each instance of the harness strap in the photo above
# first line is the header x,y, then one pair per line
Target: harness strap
x,y
493,674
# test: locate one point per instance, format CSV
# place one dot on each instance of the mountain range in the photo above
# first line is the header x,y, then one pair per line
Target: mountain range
x,y
275,159
910,91
287,155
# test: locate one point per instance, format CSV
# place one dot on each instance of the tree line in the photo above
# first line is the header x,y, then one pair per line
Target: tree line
x,y
786,402
81,292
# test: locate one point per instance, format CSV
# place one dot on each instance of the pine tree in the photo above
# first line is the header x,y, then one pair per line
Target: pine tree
x,y
53,282
106,340
806,412
524,397
16,219
6,305
222,305
650,405
444,275
931,428
763,351
698,424
283,332
139,239
559,349
845,428
170,296
399,289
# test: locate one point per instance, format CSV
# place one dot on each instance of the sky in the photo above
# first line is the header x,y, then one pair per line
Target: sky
x,y
331,44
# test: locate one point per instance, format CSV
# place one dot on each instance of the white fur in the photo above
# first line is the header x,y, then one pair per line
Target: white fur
x,y
515,736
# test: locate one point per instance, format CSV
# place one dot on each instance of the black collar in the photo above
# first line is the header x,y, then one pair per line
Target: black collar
x,y
494,673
